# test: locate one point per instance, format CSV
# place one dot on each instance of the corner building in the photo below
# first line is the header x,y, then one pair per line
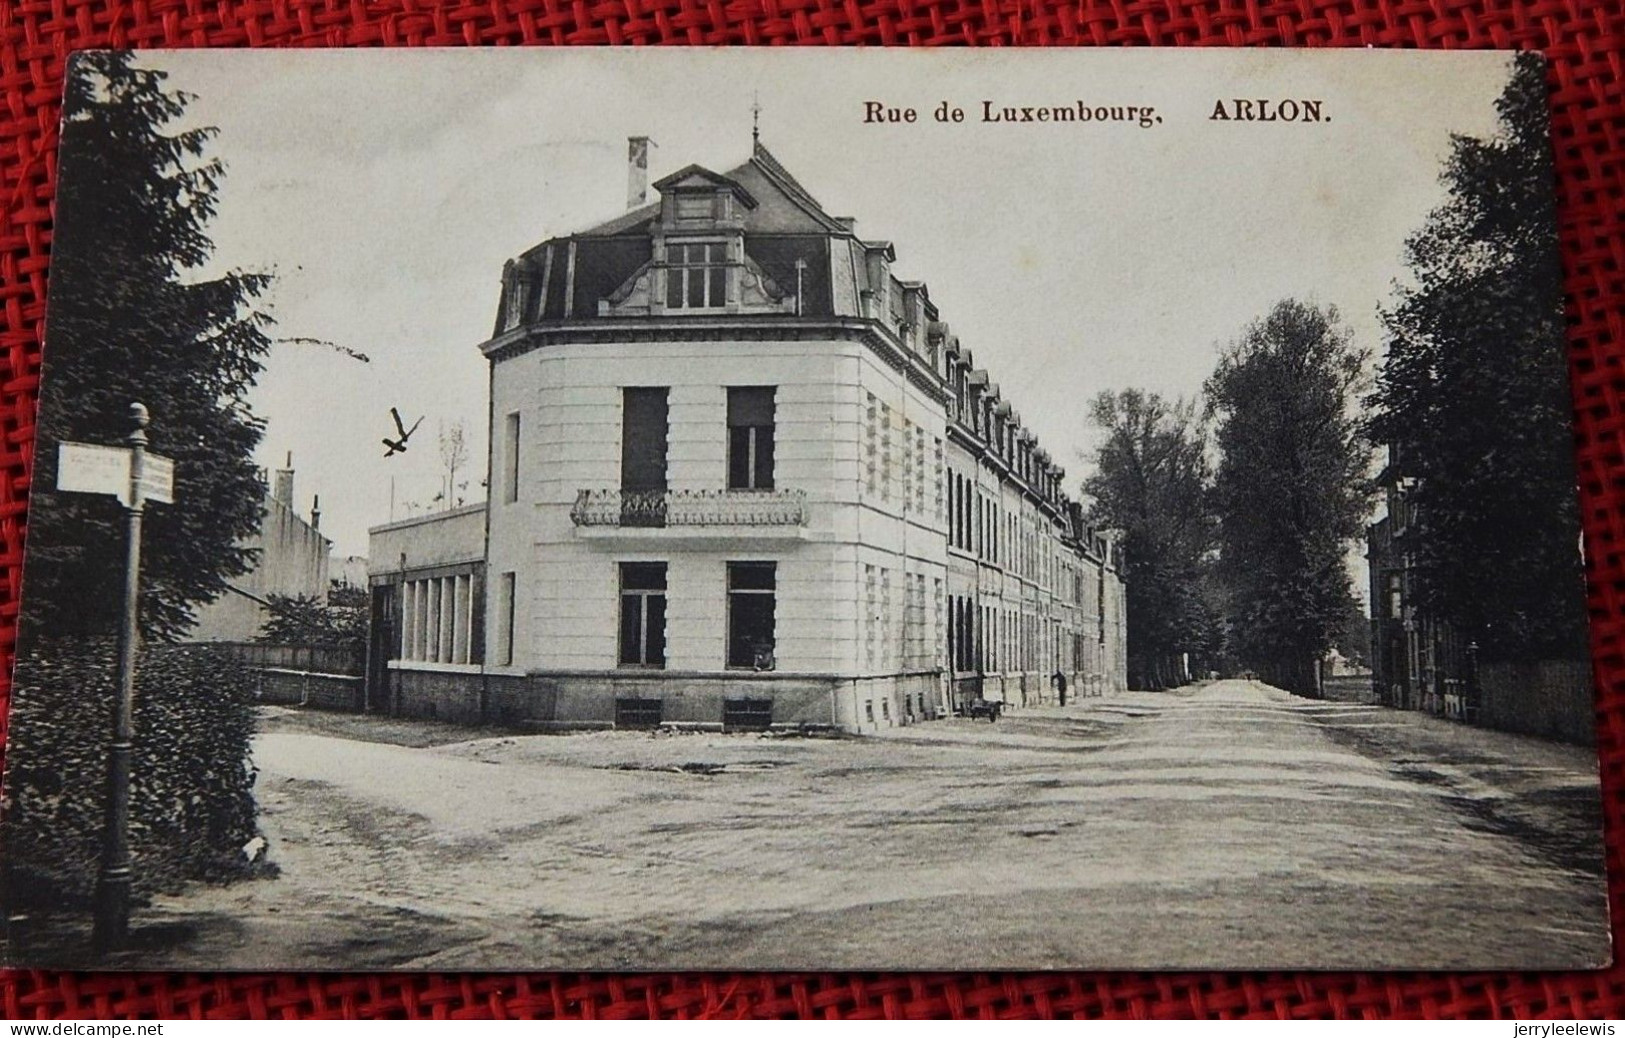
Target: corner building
x,y
720,483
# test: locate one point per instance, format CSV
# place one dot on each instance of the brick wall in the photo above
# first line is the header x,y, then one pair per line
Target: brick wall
x,y
305,688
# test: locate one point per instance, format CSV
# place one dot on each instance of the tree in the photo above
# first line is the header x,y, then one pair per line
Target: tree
x,y
1473,398
454,455
1291,488
306,620
1354,638
1151,483
131,319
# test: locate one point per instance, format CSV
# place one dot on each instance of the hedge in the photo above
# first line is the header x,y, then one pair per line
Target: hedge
x,y
192,808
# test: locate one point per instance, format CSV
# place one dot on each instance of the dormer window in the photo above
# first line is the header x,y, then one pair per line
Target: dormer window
x,y
696,276
696,207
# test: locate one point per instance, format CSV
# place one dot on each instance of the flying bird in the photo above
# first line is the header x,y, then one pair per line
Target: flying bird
x,y
399,446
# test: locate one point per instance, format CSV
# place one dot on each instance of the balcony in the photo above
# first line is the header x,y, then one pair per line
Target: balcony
x,y
699,518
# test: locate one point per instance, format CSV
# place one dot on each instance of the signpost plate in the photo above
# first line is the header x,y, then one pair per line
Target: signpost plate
x,y
89,468
158,479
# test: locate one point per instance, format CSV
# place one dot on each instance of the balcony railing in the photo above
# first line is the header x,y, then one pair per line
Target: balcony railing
x,y
690,508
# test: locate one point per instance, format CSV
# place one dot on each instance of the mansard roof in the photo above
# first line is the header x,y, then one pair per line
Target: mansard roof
x,y
806,265
775,201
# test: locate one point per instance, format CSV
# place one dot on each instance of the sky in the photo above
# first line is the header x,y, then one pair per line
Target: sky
x,y
385,189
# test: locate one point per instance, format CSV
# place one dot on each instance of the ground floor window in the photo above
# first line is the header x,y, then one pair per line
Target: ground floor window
x,y
438,619
747,715
643,614
752,594
638,713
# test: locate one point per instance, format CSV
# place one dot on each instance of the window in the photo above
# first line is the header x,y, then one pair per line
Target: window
x,y
633,712
693,206
506,599
695,276
978,539
750,437
644,433
751,598
643,614
510,457
747,715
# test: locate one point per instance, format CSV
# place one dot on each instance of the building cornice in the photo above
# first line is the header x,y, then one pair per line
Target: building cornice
x,y
427,517
969,440
719,328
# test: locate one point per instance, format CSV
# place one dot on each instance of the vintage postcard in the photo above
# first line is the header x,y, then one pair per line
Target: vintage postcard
x,y
747,509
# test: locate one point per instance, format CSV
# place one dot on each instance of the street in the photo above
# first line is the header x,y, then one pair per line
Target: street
x,y
1228,825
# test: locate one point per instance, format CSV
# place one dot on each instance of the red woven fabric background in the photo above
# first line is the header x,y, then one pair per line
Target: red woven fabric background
x,y
1585,40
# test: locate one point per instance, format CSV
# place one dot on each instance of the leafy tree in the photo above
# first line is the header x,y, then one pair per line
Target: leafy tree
x,y
1354,639
306,620
132,319
1473,400
1291,488
1151,482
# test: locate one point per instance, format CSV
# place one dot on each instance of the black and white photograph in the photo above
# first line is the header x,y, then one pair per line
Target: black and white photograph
x,y
701,509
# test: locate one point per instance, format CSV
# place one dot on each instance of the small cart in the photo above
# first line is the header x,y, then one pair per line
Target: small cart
x,y
983,708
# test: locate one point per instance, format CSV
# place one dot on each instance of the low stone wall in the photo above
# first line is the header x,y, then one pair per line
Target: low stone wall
x,y
308,688
1551,698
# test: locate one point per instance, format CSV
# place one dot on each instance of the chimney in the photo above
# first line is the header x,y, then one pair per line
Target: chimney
x,y
637,172
316,511
282,489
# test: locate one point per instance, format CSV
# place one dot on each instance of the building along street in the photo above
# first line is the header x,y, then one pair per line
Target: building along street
x,y
1229,824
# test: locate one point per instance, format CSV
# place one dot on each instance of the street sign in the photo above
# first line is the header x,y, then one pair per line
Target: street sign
x,y
90,468
158,479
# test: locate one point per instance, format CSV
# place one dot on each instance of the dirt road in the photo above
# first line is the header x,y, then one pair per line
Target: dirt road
x,y
1233,825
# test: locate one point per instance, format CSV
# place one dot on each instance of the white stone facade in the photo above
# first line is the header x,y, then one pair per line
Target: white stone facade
x,y
730,457
857,537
